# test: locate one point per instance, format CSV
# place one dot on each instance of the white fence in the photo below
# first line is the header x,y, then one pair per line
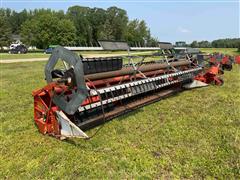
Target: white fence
x,y
143,48
101,49
84,48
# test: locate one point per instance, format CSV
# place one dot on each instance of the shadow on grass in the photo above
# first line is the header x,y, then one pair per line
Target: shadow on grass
x,y
83,143
126,115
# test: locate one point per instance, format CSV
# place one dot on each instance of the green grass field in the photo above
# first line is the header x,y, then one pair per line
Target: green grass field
x,y
192,135
229,51
3,56
6,56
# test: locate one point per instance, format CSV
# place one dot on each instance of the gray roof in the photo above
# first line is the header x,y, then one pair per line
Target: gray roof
x,y
165,45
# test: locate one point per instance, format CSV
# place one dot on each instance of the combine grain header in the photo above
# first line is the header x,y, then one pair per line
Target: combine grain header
x,y
91,91
224,61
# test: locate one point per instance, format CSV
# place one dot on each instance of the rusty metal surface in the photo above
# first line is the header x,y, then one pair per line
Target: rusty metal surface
x,y
130,70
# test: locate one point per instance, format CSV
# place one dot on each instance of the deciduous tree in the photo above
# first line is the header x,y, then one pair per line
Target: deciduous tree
x,y
45,29
5,32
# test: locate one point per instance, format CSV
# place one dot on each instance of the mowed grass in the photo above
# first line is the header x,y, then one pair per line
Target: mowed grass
x,y
229,51
29,55
194,134
5,56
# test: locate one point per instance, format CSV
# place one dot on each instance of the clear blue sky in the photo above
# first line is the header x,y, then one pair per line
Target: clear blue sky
x,y
168,20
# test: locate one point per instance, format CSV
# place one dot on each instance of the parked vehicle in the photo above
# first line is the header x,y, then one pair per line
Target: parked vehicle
x,y
20,49
50,49
14,45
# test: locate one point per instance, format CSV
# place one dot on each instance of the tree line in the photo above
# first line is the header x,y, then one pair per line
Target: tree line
x,y
219,43
83,26
79,26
